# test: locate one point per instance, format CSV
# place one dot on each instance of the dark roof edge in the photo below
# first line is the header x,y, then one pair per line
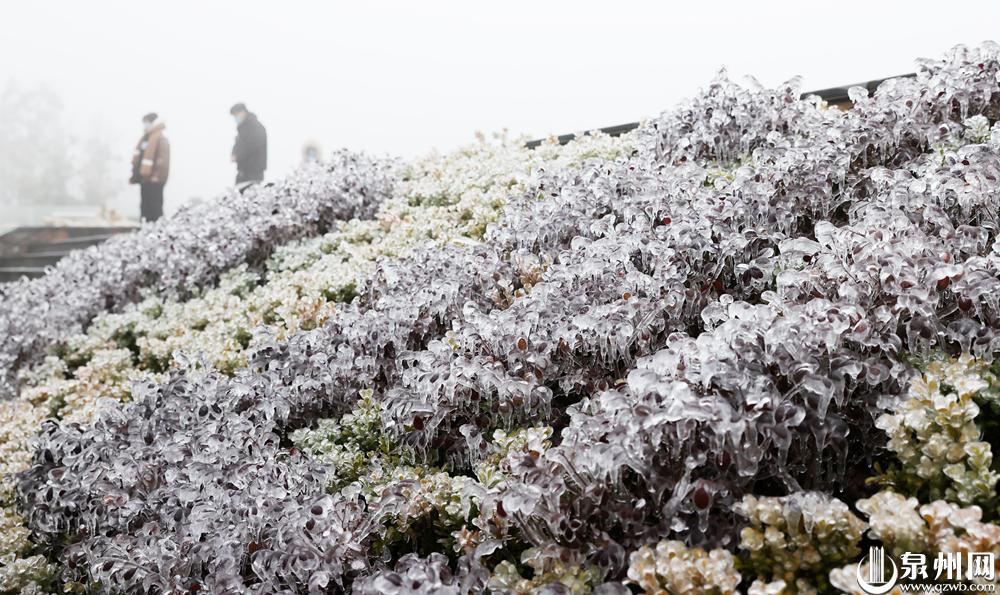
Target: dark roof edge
x,y
833,96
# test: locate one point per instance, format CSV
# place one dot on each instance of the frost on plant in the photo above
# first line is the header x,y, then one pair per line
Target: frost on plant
x,y
934,434
799,538
674,568
666,361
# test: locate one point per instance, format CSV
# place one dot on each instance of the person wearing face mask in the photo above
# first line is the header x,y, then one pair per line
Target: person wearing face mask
x,y
250,149
150,167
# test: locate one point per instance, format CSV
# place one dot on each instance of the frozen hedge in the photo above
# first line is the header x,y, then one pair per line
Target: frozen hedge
x,y
655,365
183,252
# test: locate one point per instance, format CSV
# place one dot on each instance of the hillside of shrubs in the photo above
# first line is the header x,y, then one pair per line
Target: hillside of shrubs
x,y
723,353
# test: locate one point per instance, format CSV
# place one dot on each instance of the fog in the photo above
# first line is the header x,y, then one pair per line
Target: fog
x,y
405,77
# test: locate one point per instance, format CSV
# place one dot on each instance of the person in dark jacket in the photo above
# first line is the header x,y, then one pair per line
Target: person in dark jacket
x,y
150,167
250,149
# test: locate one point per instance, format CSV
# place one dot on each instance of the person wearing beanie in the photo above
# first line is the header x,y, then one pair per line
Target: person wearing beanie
x,y
150,167
250,148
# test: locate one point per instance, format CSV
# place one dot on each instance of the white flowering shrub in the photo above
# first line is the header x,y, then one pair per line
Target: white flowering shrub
x,y
934,435
903,525
671,567
662,362
182,253
799,538
303,283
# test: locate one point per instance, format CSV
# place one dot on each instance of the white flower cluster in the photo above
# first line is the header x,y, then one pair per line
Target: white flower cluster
x,y
902,525
934,435
549,573
19,422
26,576
20,572
671,567
797,539
348,446
507,448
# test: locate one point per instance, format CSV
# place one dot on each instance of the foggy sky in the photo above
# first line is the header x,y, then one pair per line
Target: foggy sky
x,y
404,77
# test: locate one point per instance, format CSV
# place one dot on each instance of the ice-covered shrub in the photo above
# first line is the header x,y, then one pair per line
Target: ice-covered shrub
x,y
688,342
181,253
305,282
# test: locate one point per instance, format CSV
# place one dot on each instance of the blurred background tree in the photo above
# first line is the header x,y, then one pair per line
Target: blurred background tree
x,y
52,157
35,164
97,164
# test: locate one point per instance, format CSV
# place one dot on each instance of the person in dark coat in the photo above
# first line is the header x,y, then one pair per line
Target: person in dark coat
x,y
150,167
250,149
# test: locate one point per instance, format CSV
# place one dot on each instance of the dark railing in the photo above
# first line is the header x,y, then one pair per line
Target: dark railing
x,y
835,96
27,251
